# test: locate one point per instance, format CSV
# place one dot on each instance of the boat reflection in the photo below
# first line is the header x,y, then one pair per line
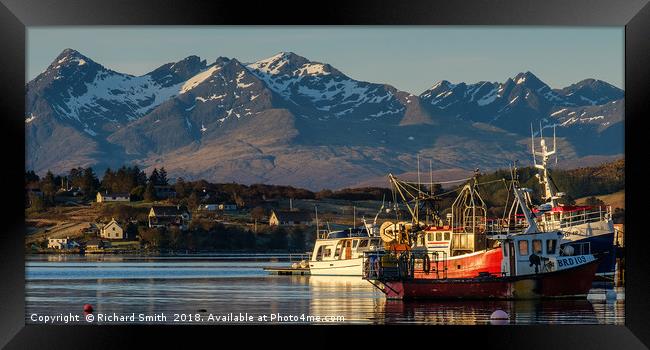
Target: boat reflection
x,y
349,296
477,312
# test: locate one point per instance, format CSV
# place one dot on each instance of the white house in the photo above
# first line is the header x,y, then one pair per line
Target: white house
x,y
113,197
112,230
57,243
61,243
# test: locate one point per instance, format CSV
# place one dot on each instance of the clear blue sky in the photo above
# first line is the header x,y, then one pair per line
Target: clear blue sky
x,y
409,58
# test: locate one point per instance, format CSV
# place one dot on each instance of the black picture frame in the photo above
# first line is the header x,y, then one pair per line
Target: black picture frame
x,y
16,15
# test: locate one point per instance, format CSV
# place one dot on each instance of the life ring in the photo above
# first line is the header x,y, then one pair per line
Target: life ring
x,y
426,264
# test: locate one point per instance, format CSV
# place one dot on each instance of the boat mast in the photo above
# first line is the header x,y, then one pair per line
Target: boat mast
x,y
317,226
532,225
521,194
544,180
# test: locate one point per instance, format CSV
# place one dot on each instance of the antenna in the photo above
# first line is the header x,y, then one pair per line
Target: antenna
x,y
418,158
430,178
317,227
532,144
554,144
380,209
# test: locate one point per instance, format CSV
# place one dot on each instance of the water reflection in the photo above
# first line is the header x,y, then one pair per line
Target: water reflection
x,y
222,284
351,297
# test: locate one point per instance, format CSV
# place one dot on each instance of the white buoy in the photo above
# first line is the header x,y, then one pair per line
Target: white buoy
x,y
499,317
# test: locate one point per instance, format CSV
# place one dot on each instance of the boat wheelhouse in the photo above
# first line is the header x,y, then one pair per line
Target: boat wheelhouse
x,y
340,253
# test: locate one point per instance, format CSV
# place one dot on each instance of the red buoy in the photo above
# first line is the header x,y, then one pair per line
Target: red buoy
x,y
88,308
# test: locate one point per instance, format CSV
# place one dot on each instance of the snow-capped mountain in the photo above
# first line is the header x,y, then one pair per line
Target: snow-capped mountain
x,y
286,119
318,90
519,101
86,93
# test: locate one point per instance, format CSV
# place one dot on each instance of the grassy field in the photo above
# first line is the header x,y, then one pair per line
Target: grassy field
x,y
616,200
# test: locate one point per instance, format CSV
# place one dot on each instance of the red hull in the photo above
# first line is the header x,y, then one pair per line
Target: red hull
x,y
572,282
466,266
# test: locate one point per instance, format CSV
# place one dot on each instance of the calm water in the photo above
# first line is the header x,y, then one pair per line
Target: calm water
x,y
221,285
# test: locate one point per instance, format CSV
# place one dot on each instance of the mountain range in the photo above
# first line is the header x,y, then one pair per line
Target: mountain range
x,y
289,120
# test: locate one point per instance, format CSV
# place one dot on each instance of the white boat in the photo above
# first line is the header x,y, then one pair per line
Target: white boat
x,y
340,253
586,228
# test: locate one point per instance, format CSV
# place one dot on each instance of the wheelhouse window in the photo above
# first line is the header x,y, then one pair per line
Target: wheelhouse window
x,y
430,236
438,236
447,236
537,246
551,245
363,243
523,248
355,243
327,253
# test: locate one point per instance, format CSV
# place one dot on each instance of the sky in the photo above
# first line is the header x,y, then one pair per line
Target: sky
x,y
410,58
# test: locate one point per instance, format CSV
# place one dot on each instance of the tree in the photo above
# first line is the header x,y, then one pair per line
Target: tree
x,y
154,178
137,193
594,201
90,183
150,193
31,177
140,176
107,180
131,231
162,177
48,187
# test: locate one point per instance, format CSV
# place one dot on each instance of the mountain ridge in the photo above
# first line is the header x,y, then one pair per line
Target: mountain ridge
x,y
187,113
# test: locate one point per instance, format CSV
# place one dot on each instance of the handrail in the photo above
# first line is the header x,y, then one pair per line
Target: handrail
x,y
550,222
387,265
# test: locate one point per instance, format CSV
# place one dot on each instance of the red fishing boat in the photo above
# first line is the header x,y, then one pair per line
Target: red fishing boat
x,y
532,266
462,239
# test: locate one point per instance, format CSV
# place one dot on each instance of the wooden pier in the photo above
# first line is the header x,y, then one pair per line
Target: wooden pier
x,y
287,271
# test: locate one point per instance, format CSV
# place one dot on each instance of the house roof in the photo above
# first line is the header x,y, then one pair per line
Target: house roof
x,y
285,215
168,210
113,221
115,194
94,241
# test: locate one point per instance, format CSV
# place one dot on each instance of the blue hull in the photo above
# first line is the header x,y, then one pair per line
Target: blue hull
x,y
602,246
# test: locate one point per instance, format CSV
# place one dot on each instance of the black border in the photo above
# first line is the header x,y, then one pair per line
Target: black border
x,y
16,14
